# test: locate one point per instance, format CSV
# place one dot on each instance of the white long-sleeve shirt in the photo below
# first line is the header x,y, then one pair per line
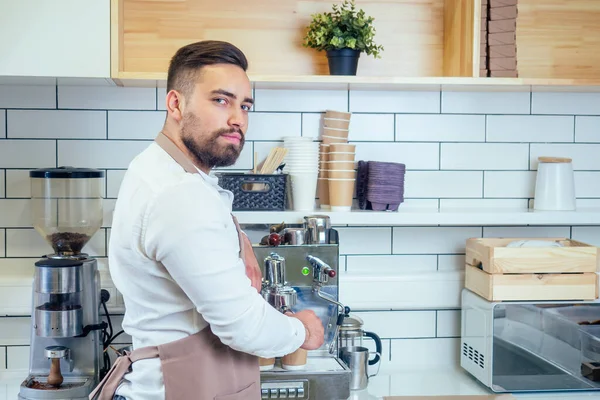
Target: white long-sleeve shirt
x,y
174,255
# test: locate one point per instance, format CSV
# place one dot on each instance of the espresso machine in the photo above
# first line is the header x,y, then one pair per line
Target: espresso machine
x,y
66,343
300,266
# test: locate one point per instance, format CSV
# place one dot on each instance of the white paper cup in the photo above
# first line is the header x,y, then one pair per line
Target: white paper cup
x,y
304,188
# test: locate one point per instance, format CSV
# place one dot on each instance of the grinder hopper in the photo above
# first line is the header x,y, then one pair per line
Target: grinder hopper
x,y
66,206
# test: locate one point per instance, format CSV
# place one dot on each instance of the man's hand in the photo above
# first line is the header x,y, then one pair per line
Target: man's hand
x,y
314,329
252,267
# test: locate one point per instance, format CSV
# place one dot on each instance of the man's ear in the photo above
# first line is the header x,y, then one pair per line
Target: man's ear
x,y
175,104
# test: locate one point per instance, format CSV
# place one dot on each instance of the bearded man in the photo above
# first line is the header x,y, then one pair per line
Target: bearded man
x,y
188,276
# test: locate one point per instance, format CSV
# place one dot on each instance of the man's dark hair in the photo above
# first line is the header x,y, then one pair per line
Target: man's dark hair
x,y
189,60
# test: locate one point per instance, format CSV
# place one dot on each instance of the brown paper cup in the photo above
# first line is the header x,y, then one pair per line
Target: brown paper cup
x,y
349,174
337,114
340,194
334,139
324,156
266,363
336,123
324,148
343,133
323,191
341,156
296,360
323,172
342,148
340,165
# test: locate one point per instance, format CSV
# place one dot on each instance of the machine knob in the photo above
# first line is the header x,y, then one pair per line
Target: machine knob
x,y
274,239
331,273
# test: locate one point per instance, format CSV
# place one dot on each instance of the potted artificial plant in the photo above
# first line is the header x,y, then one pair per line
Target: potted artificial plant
x,y
343,34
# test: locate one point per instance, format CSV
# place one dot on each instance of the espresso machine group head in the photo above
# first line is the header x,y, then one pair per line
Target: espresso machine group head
x,y
300,271
66,346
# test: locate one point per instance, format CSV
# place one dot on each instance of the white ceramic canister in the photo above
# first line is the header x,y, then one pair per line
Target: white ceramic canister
x,y
554,185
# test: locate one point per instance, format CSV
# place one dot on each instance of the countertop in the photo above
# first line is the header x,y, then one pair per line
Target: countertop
x,y
415,382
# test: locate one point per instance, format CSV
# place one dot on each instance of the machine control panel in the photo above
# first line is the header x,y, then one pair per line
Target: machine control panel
x,y
284,390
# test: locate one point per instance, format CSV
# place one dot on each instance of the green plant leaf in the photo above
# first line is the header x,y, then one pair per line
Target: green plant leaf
x,y
344,27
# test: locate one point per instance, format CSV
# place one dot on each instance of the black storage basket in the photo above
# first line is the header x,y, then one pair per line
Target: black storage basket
x,y
267,194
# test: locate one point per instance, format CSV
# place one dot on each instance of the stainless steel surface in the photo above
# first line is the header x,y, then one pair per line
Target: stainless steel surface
x,y
82,369
57,280
57,352
299,276
58,324
530,346
321,270
72,388
318,227
274,269
325,376
294,236
351,328
351,334
357,359
283,298
321,274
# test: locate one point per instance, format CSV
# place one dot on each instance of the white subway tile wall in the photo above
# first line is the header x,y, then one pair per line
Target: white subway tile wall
x,y
587,129
461,149
565,103
439,128
2,184
2,124
2,243
56,124
394,102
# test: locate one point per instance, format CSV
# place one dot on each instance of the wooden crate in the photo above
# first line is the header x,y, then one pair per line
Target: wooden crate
x,y
496,258
539,287
499,273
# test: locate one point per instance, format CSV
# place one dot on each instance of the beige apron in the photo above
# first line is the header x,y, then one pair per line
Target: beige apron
x,y
198,366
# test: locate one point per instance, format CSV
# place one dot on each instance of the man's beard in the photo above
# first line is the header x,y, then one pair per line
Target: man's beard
x,y
208,152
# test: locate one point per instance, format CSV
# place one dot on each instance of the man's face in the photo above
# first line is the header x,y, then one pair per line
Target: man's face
x,y
215,118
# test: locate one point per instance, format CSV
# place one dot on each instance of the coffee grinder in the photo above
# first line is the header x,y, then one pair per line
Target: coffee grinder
x,y
66,343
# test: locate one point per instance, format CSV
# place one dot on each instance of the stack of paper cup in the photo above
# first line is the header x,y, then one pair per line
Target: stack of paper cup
x,y
302,164
341,175
336,125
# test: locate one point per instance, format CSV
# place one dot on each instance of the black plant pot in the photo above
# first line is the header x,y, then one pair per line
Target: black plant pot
x,y
343,61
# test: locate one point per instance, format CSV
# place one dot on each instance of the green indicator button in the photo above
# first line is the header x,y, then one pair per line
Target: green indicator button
x,y
305,271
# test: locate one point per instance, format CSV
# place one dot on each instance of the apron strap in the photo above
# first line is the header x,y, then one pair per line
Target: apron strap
x,y
175,152
107,388
240,237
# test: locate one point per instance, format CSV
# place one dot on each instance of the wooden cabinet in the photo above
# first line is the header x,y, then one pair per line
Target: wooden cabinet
x,y
146,34
426,41
558,39
57,38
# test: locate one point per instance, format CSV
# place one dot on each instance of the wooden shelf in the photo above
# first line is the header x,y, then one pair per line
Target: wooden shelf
x,y
420,37
328,82
433,217
429,44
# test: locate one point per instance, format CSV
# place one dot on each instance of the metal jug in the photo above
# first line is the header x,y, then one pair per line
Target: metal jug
x,y
318,228
352,333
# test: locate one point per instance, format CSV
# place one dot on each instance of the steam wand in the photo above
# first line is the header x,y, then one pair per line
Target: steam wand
x,y
321,274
